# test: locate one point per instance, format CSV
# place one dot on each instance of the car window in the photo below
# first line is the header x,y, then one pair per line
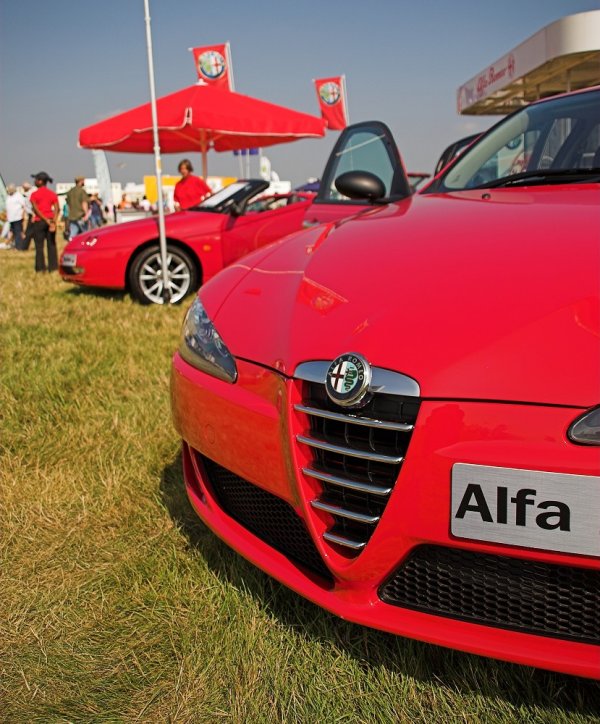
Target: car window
x,y
364,150
558,136
223,195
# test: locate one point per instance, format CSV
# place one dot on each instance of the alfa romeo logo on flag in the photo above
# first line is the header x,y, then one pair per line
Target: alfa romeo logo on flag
x,y
348,379
211,64
330,93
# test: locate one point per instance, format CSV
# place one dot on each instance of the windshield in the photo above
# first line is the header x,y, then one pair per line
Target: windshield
x,y
221,199
549,142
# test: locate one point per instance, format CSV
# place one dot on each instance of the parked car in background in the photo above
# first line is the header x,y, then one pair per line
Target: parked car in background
x,y
201,241
398,415
454,150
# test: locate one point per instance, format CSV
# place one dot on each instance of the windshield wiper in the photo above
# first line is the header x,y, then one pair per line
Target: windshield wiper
x,y
548,175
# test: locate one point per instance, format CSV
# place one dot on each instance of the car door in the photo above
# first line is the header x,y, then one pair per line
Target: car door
x,y
255,228
369,147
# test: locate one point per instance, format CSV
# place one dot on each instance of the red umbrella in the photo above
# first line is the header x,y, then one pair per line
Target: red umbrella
x,y
199,118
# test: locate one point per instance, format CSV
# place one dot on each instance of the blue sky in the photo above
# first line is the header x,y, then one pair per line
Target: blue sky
x,y
67,63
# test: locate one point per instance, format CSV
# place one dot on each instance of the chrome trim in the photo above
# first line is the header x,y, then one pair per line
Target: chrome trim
x,y
341,450
382,380
365,421
344,512
345,483
343,541
312,371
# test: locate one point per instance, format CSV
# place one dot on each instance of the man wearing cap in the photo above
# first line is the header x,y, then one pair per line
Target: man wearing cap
x,y
45,217
79,208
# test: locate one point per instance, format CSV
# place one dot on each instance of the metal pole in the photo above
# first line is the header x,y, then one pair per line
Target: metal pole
x,y
166,291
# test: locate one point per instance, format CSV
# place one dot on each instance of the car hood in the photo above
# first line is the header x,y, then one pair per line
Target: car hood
x,y
476,296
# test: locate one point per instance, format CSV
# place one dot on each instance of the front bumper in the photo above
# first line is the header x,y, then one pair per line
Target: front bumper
x,y
94,267
248,430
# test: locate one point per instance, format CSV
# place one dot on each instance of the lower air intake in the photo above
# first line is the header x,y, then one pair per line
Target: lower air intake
x,y
266,516
526,596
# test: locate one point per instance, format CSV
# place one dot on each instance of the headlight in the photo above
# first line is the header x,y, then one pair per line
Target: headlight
x,y
202,346
586,429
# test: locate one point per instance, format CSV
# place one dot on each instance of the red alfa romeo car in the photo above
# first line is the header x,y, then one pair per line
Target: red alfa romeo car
x,y
398,415
201,241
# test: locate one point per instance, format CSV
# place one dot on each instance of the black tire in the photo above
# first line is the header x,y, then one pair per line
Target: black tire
x,y
145,275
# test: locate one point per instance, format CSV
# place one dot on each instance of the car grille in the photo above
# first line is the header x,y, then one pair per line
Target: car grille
x,y
357,456
511,593
266,516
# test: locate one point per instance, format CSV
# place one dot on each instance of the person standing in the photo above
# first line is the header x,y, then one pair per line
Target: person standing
x,y
79,208
190,190
15,215
46,209
96,213
28,221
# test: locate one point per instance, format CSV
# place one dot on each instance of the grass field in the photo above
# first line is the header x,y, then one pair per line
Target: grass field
x,y
116,604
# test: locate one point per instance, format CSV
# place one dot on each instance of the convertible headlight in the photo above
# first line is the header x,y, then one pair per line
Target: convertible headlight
x,y
586,428
202,346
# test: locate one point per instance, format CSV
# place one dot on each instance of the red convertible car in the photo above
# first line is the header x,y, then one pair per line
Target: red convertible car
x,y
201,241
398,415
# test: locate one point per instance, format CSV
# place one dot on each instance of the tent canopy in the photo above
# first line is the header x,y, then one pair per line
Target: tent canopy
x,y
561,57
199,118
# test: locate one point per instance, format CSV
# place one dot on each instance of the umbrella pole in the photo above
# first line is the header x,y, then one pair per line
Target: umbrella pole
x,y
204,154
157,161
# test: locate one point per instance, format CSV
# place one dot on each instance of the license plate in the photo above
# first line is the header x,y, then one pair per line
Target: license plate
x,y
549,511
69,259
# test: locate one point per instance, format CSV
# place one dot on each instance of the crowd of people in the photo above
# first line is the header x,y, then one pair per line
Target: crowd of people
x,y
35,212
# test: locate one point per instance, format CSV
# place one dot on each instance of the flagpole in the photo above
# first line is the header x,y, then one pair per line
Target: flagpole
x,y
345,99
166,293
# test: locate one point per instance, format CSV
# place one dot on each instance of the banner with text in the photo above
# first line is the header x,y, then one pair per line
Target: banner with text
x,y
213,65
331,93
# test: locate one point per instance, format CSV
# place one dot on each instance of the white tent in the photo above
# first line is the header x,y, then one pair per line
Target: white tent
x,y
563,56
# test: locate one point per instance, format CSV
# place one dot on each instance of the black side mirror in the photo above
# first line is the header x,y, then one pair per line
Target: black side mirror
x,y
359,185
235,210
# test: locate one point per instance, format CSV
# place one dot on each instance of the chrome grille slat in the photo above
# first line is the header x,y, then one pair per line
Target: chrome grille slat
x,y
345,513
352,452
355,545
346,483
365,421
356,455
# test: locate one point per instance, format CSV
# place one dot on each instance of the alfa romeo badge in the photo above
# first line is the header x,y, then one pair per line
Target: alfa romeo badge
x,y
348,379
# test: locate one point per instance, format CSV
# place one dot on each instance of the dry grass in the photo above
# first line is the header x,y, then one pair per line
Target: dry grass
x,y
118,605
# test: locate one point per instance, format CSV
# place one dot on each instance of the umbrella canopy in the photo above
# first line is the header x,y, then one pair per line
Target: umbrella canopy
x,y
199,118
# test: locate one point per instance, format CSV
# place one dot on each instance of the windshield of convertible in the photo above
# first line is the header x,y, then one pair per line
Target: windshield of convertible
x,y
557,141
222,199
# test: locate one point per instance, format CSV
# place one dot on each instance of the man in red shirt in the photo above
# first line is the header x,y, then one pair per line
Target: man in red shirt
x,y
190,190
46,209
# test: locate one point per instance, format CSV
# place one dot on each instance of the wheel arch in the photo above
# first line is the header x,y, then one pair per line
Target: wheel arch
x,y
170,242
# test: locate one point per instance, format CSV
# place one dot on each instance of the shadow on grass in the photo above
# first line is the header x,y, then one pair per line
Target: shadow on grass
x,y
516,685
116,295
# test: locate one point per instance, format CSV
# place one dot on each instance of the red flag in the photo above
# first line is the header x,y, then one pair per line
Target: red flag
x,y
331,93
213,65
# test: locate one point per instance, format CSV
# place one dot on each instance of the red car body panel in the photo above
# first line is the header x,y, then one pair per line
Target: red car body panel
x,y
492,350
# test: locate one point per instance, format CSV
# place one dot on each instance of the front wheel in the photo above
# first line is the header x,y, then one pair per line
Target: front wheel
x,y
146,276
